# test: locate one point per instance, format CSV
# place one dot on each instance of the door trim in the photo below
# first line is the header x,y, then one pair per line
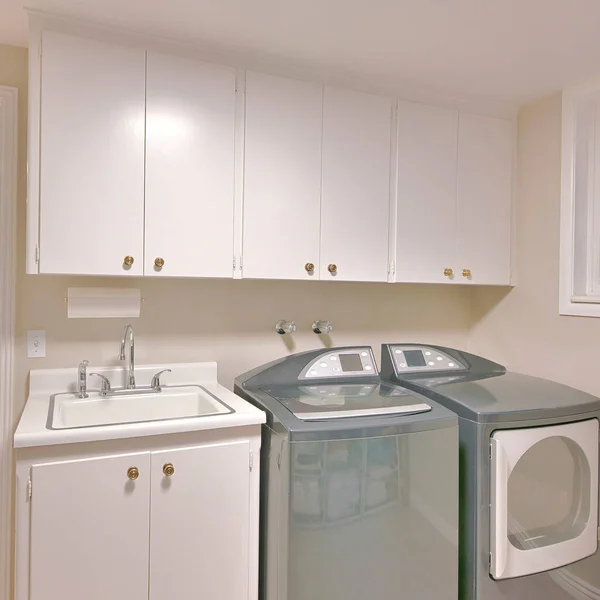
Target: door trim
x,y
8,203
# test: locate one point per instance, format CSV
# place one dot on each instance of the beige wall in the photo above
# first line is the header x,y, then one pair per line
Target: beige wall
x,y
228,321
523,328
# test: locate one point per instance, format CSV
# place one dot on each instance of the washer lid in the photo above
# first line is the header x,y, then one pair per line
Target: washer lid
x,y
326,401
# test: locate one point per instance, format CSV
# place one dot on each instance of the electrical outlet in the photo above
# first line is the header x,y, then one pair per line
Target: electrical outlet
x,y
36,343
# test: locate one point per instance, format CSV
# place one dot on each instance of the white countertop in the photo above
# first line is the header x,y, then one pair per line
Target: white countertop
x,y
44,383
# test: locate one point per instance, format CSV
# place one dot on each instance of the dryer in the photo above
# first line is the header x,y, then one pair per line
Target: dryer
x,y
529,473
359,482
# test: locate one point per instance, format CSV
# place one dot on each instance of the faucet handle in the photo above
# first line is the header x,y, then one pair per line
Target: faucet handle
x,y
155,384
105,388
82,379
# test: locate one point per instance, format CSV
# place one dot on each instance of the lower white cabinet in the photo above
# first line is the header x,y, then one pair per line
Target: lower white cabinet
x,y
199,522
89,529
164,523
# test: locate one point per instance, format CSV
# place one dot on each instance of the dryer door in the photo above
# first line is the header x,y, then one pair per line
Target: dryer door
x,y
544,497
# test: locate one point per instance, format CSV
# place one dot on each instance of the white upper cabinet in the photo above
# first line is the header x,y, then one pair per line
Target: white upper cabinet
x,y
143,163
484,189
355,204
91,157
426,194
190,120
282,178
454,197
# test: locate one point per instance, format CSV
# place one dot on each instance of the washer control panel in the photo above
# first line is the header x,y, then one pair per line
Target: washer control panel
x,y
411,359
350,362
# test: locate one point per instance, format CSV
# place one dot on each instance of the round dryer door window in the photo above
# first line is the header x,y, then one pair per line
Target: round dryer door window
x,y
544,497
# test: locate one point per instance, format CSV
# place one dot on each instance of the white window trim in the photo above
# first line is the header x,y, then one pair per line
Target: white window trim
x,y
8,203
582,299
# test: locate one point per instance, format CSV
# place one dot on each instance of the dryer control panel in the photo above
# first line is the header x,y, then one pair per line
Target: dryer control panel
x,y
350,362
413,359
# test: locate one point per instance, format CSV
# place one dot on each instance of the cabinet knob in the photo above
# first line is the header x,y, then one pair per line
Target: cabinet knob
x,y
128,261
133,473
168,469
448,272
159,263
332,268
310,267
466,272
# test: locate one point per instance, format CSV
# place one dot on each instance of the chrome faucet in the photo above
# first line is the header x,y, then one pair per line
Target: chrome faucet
x,y
128,338
82,379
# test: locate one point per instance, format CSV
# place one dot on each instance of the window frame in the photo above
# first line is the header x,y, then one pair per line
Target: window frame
x,y
579,272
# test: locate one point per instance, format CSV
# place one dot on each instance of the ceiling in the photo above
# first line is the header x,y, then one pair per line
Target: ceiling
x,y
505,51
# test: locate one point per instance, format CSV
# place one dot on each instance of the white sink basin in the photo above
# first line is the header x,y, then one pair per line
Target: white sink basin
x,y
179,402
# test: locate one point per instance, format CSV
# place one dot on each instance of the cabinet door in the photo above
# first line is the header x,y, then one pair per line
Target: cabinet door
x,y
426,209
190,117
91,157
199,534
89,529
356,186
485,156
282,177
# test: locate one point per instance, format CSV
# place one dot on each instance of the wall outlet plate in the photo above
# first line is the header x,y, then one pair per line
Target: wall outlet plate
x,y
36,343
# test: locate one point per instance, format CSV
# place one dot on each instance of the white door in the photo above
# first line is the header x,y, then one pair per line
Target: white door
x,y
544,497
89,529
426,201
484,190
91,157
190,118
199,525
282,178
355,215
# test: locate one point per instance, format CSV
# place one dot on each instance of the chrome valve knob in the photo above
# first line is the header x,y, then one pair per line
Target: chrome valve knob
x,y
322,327
282,327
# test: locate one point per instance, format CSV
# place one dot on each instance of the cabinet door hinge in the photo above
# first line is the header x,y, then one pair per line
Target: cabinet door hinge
x,y
241,262
251,461
29,487
234,262
392,268
37,253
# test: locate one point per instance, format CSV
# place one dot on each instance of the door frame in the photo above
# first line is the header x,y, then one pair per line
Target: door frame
x,y
8,204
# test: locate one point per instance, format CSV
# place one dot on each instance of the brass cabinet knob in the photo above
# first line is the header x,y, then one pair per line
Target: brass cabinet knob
x,y
310,267
128,261
133,473
332,268
448,272
168,469
466,272
159,263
